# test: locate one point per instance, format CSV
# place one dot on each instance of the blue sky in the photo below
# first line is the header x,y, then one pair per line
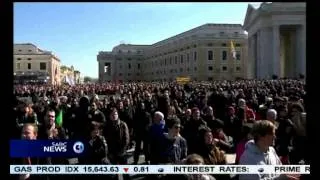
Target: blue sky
x,y
76,32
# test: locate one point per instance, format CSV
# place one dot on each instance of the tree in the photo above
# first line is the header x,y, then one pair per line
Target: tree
x,y
87,79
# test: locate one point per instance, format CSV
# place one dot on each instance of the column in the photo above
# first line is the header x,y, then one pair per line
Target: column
x,y
302,49
258,56
276,50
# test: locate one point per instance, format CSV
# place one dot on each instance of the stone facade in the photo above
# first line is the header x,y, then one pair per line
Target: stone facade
x,y
276,40
202,53
28,59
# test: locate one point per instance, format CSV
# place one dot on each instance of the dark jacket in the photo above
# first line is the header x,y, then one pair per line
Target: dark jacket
x,y
97,151
154,138
191,133
117,136
173,150
142,121
126,115
97,116
24,119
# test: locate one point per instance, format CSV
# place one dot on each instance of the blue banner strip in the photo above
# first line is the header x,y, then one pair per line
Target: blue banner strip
x,y
47,148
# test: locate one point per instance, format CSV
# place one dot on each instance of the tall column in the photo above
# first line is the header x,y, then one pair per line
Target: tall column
x,y
276,50
302,59
258,60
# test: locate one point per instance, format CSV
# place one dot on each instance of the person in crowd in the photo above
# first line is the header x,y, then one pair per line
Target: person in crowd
x,y
150,103
126,115
28,116
142,123
81,122
172,113
96,117
156,132
49,130
260,151
30,132
211,154
245,137
284,135
298,117
272,116
223,141
174,146
98,149
185,117
192,129
117,136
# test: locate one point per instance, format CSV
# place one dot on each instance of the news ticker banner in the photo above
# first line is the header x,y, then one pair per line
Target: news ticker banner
x,y
159,169
47,148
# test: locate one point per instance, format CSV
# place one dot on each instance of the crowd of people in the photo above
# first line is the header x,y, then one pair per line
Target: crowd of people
x,y
261,121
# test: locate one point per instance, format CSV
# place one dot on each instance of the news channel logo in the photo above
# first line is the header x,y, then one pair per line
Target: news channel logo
x,y
78,147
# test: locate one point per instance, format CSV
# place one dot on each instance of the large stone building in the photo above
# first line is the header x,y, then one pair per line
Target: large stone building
x,y
32,64
276,40
202,53
69,75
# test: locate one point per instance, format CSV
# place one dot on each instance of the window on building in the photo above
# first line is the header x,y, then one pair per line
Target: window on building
x,y
29,65
221,33
107,68
18,66
210,79
119,51
188,69
181,59
120,74
129,74
165,61
170,60
238,44
181,69
224,68
224,55
195,56
238,68
120,66
19,50
210,55
175,60
18,59
129,66
129,59
223,44
43,66
210,68
119,59
188,57
236,34
138,65
29,50
195,68
29,58
138,74
238,55
210,44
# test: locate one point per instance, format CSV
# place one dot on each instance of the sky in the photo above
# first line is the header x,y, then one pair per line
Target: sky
x,y
76,32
